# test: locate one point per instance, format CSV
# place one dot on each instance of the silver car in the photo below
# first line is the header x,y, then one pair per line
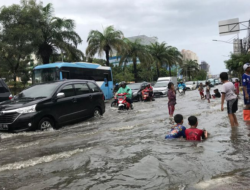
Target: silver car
x,y
160,88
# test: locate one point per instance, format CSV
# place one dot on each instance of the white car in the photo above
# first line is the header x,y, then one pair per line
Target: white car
x,y
160,88
191,85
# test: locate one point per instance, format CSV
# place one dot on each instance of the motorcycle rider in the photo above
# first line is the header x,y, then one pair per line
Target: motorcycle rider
x,y
125,89
182,85
150,89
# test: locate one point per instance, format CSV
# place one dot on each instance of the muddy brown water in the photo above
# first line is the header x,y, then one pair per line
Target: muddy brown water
x,y
127,150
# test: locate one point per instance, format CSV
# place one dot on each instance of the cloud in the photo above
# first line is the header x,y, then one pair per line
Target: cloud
x,y
185,24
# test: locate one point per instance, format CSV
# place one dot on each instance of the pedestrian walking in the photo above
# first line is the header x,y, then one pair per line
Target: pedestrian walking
x,y
171,101
228,94
208,92
246,85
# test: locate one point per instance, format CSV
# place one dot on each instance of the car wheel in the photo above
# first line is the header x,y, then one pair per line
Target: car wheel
x,y
97,113
45,124
139,98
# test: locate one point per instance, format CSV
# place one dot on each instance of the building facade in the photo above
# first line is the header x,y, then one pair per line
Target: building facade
x,y
204,66
189,55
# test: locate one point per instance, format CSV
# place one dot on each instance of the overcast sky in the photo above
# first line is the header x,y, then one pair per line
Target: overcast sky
x,y
185,24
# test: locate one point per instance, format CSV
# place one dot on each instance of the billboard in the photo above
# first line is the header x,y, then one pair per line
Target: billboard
x,y
229,27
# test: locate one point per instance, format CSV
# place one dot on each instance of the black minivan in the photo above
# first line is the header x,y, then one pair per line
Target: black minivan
x,y
5,93
51,105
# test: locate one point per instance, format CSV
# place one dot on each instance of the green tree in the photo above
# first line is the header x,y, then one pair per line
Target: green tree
x,y
174,59
57,34
18,35
236,62
160,54
189,68
108,41
200,75
133,51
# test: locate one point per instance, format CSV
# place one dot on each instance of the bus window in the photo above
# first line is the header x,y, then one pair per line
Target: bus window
x,y
65,75
45,75
106,79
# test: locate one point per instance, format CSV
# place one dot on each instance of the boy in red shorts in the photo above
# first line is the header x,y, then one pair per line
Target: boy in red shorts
x,y
194,134
201,90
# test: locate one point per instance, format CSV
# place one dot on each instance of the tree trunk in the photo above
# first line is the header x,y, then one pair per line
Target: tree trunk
x,y
157,70
189,76
45,51
107,57
135,69
169,69
14,78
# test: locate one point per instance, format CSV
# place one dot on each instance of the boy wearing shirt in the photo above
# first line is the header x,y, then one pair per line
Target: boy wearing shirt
x,y
246,84
228,93
178,130
194,134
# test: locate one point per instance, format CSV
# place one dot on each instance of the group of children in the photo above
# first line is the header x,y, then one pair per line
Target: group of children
x,y
229,92
192,134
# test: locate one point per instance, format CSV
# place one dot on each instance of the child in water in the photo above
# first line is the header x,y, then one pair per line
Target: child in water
x,y
237,87
208,92
216,94
171,101
178,130
201,90
194,134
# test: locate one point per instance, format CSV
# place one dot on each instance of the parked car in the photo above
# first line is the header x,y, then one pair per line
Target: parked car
x,y
160,88
203,82
217,82
234,79
136,89
168,79
5,93
51,105
212,82
191,85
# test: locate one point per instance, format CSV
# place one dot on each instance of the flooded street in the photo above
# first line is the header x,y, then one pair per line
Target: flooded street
x,y
127,150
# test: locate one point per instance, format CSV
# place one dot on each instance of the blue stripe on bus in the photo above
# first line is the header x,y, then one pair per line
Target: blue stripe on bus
x,y
76,65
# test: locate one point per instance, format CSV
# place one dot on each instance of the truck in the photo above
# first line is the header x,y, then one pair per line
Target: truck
x,y
168,79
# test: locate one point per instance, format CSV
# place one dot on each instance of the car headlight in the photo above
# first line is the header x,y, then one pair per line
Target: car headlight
x,y
134,93
29,109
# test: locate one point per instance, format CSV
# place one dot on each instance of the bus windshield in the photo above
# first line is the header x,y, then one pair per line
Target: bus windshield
x,y
45,75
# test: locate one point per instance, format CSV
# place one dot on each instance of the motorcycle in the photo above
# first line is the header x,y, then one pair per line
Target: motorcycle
x,y
181,90
145,95
115,102
122,102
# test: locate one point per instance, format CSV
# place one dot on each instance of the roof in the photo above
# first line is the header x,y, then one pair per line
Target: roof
x,y
76,64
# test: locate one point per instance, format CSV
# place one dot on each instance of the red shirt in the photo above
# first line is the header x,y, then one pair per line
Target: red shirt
x,y
194,134
149,88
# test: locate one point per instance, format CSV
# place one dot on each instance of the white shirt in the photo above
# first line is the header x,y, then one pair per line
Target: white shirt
x,y
229,89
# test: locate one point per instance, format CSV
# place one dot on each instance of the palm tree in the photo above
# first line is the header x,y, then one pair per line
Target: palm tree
x,y
133,51
57,34
174,59
108,41
191,66
160,54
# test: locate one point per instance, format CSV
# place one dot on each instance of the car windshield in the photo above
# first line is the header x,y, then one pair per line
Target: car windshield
x,y
189,83
161,84
135,86
38,91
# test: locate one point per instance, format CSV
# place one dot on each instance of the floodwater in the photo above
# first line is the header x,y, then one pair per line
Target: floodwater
x,y
127,150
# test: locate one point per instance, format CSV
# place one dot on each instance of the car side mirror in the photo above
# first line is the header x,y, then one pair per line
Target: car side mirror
x,y
60,95
193,82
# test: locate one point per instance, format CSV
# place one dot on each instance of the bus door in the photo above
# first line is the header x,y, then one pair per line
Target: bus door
x,y
65,75
108,91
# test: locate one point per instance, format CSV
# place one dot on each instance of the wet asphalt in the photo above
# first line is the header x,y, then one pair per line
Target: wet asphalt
x,y
127,150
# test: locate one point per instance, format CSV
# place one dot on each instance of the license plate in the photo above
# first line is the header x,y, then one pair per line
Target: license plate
x,y
4,127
